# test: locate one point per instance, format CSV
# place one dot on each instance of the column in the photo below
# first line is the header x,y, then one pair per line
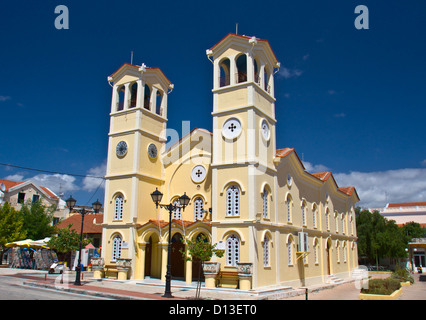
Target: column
x,y
188,271
114,99
233,72
250,67
153,99
163,261
141,93
126,96
216,74
140,262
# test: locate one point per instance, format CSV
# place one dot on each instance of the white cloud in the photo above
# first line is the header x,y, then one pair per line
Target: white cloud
x,y
56,182
340,115
375,189
312,168
289,73
4,98
90,183
15,177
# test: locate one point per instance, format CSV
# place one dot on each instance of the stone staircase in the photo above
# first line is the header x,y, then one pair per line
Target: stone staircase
x,y
332,279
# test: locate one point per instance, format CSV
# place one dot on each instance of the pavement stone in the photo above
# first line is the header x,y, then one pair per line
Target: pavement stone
x,y
153,289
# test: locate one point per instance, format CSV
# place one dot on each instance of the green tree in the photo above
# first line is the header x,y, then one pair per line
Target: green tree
x,y
37,219
67,241
11,226
200,250
379,237
413,230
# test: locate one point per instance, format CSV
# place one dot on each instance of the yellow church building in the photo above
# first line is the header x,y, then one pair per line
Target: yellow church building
x,y
287,226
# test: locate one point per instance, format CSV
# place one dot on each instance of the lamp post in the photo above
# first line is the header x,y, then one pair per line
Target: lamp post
x,y
70,204
183,200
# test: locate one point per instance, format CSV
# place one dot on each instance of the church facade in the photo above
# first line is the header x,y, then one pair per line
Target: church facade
x,y
255,201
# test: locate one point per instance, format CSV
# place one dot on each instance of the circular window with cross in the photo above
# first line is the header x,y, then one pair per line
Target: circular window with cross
x,y
198,174
231,128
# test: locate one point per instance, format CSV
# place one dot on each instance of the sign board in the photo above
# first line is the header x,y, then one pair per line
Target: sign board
x,y
220,246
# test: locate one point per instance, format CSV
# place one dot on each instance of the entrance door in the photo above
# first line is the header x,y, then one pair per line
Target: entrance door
x,y
176,259
148,257
327,257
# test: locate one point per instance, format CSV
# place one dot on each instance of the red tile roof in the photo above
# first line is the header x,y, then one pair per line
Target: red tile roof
x,y
347,190
245,37
323,176
135,66
10,184
406,204
92,223
282,153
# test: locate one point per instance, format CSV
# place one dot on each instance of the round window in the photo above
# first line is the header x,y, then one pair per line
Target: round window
x,y
231,129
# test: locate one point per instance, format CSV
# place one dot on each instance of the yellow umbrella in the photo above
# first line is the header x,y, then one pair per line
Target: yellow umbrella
x,y
23,243
37,244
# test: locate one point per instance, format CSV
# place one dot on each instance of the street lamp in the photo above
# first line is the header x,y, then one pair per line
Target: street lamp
x,y
96,207
184,201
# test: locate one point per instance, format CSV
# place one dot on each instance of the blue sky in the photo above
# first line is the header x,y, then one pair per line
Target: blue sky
x,y
350,101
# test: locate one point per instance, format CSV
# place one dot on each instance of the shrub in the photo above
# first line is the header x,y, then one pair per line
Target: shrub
x,y
382,286
402,275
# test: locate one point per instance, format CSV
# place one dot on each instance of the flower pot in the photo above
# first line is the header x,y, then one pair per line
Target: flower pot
x,y
210,269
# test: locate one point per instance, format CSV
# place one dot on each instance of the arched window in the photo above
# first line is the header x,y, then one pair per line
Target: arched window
x,y
225,71
256,72
314,215
336,221
343,223
304,212
158,101
120,102
266,251
344,251
288,205
327,219
315,251
198,208
265,204
118,208
147,98
233,201
133,95
290,251
337,251
242,68
116,247
232,250
177,214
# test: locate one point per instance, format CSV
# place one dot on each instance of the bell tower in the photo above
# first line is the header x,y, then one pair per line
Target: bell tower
x,y
244,141
137,136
